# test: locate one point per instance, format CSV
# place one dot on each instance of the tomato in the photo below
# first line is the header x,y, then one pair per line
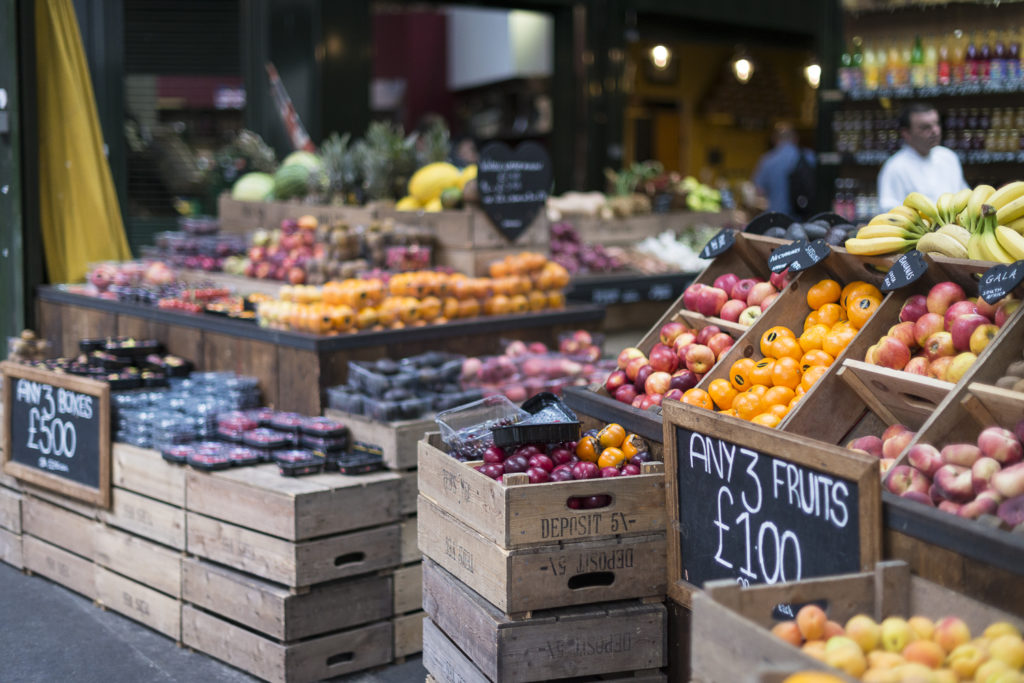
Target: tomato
x,y
824,292
612,435
588,449
786,372
610,457
739,373
761,373
722,393
747,405
698,397
770,335
861,308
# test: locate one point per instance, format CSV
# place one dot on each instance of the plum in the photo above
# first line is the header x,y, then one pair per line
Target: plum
x,y
1011,511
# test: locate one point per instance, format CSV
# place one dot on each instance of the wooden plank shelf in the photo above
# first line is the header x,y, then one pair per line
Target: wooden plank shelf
x,y
896,397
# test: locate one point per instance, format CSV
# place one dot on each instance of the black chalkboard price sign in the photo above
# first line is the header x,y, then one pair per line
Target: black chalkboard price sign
x,y
998,281
786,256
719,244
760,506
907,270
812,254
57,432
514,185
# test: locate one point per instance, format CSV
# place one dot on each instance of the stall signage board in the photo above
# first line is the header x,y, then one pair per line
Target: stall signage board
x,y
786,256
998,281
812,254
907,270
56,432
513,185
719,244
758,505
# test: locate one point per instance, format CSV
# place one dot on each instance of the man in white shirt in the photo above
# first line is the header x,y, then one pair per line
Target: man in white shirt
x,y
921,165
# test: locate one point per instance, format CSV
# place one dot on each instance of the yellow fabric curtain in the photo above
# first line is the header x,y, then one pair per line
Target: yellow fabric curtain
x,y
81,219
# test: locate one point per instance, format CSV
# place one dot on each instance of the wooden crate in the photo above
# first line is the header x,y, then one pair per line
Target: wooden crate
x,y
146,517
554,644
397,440
10,510
296,564
152,608
731,637
408,588
294,508
11,549
408,489
313,659
410,549
408,630
238,216
60,566
521,516
540,577
469,228
60,527
143,471
281,614
142,561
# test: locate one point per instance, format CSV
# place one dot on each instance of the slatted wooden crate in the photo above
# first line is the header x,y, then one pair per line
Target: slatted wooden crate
x,y
158,611
543,576
554,644
10,527
731,638
60,566
397,440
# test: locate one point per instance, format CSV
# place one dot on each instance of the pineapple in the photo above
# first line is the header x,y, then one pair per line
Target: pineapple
x,y
341,166
433,144
387,157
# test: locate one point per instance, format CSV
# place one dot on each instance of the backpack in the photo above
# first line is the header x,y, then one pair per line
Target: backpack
x,y
802,186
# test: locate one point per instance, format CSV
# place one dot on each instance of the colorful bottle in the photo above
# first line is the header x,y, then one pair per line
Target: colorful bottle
x,y
958,63
892,66
998,63
906,54
971,62
917,63
870,69
1013,56
943,69
857,64
984,58
931,63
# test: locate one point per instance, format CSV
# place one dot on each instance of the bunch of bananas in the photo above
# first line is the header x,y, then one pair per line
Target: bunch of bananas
x,y
984,224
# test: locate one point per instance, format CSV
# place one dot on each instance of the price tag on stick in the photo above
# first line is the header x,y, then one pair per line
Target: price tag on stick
x,y
812,254
784,257
998,281
907,270
719,244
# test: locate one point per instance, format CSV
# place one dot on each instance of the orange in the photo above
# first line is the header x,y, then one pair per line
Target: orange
x,y
758,389
824,292
739,373
786,372
747,405
722,393
770,335
698,397
761,373
811,320
610,457
860,309
858,287
779,395
780,410
786,347
812,375
815,357
766,420
611,436
813,336
830,314
837,339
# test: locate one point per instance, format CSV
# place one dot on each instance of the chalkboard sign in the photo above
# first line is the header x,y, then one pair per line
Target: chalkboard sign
x,y
998,281
812,254
57,432
719,244
757,505
907,270
786,256
514,185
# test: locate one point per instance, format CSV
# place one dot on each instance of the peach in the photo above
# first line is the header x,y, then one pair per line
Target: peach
x,y
925,458
815,648
965,660
882,659
903,478
789,632
864,631
913,672
845,655
895,634
925,652
1008,649
1000,444
759,293
1001,628
628,354
894,445
880,676
1009,481
950,632
923,627
670,330
870,444
833,629
962,454
954,483
811,621
893,430
991,670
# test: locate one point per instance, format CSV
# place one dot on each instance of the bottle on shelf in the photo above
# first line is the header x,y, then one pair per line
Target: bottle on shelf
x,y
958,63
943,68
971,67
870,69
845,75
997,63
984,57
916,61
931,63
892,66
906,56
1013,57
857,63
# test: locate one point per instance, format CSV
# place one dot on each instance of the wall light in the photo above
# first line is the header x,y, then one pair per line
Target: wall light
x,y
660,56
812,72
742,68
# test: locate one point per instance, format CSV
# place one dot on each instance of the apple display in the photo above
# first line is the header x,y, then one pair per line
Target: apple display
x,y
710,300
671,331
779,280
674,394
732,309
627,354
963,327
684,379
742,289
918,365
965,307
615,380
699,359
892,353
658,383
1005,311
982,336
939,367
758,293
625,394
726,282
690,295
663,358
634,367
641,377
943,295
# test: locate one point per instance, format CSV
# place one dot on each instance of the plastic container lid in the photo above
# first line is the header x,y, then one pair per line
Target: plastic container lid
x,y
550,421
467,429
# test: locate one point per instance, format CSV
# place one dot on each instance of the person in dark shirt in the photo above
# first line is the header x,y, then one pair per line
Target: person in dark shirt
x,y
775,167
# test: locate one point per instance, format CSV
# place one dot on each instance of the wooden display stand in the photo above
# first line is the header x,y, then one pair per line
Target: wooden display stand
x,y
629,230
237,216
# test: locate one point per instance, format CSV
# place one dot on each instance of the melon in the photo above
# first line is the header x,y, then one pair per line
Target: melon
x,y
430,181
303,158
252,187
291,181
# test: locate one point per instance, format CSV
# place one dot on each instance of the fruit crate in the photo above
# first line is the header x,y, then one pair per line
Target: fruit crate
x,y
731,640
468,639
396,440
10,524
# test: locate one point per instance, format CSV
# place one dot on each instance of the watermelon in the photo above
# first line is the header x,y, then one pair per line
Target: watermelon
x,y
291,181
253,187
302,158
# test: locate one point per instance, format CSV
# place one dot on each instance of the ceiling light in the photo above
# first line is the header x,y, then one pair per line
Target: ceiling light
x,y
660,56
812,72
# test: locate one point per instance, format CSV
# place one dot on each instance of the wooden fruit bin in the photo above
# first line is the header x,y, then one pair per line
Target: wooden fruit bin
x,y
731,637
468,639
10,521
397,440
523,548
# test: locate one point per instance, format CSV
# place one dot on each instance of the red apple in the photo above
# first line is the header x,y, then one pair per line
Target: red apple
x,y
542,461
749,315
769,300
1005,311
938,367
710,300
706,333
892,353
634,367
670,331
684,340
962,362
690,296
641,377
926,458
927,325
742,288
780,280
758,293
904,332
684,379
562,473
626,393
918,365
982,335
726,282
869,355
965,307
732,309
627,355
1001,445
943,295
699,359
720,343
962,327
938,345
663,358
913,308
986,309
658,383
615,380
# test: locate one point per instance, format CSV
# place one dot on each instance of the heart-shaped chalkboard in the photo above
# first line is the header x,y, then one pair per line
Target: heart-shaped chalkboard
x,y
998,281
812,254
907,270
514,185
784,256
719,244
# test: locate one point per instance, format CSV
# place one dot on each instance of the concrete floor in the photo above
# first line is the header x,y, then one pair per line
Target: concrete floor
x,y
49,634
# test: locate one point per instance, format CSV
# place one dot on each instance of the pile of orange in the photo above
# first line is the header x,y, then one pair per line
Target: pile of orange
x,y
519,283
764,390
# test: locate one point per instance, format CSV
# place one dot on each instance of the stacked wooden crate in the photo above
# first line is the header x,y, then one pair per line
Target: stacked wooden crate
x,y
397,442
519,586
10,521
